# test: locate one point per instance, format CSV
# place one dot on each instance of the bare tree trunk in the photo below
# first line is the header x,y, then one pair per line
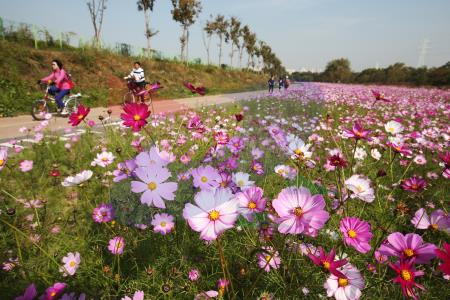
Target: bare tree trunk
x,y
207,45
187,46
241,52
220,49
232,54
96,11
183,43
147,29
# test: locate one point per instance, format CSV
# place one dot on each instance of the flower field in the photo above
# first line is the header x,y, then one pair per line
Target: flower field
x,y
320,191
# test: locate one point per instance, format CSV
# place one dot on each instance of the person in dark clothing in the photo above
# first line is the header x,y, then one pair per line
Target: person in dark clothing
x,y
286,83
271,83
280,83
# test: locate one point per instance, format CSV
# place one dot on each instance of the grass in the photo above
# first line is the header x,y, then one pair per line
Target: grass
x,y
159,264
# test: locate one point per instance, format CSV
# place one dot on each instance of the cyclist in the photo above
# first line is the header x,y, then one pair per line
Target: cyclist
x,y
62,84
137,78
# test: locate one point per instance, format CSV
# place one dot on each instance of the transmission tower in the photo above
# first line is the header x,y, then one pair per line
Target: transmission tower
x,y
423,53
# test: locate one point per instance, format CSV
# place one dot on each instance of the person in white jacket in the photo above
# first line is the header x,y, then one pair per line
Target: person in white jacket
x,y
137,75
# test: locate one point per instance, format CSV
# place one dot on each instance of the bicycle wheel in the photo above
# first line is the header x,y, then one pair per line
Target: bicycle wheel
x,y
39,109
71,106
128,98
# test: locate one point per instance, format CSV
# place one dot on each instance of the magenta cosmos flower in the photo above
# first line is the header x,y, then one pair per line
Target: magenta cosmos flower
x,y
326,261
206,178
54,291
268,259
153,186
236,144
444,255
214,212
356,233
407,247
405,277
135,115
251,201
221,137
29,294
103,213
76,118
116,245
163,223
299,211
357,132
414,184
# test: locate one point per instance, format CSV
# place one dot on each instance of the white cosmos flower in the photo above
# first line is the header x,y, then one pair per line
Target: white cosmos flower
x,y
360,186
393,127
103,159
77,179
375,154
242,180
360,153
298,149
348,288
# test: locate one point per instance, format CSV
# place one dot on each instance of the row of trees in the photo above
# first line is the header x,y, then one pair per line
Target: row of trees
x,y
227,31
339,70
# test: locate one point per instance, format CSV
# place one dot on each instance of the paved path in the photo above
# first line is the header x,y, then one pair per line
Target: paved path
x,y
9,127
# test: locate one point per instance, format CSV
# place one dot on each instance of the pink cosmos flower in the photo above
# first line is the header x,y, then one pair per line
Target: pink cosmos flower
x,y
71,262
29,294
214,212
135,115
406,273
438,220
326,260
414,184
407,247
221,137
153,186
236,144
194,275
299,211
357,132
54,291
3,157
26,165
163,223
116,245
103,213
205,295
76,118
399,147
347,287
257,167
251,201
152,158
124,170
138,295
356,233
206,178
268,259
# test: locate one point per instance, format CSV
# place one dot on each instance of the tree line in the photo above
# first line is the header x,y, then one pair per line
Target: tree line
x,y
339,70
227,31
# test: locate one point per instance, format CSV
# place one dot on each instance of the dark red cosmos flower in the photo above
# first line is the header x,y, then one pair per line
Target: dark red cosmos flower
x,y
327,261
75,118
195,90
444,255
379,96
54,173
445,157
414,184
239,117
337,160
406,273
135,115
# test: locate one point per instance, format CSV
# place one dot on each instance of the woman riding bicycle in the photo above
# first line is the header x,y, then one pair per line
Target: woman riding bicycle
x,y
62,84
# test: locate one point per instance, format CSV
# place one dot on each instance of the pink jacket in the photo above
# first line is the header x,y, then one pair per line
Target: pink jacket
x,y
60,78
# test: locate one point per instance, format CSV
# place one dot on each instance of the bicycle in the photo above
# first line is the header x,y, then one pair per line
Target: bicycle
x,y
41,107
143,93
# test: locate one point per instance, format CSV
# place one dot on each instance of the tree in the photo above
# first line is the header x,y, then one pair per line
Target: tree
x,y
220,27
250,46
338,70
96,11
234,33
209,30
147,6
185,12
241,42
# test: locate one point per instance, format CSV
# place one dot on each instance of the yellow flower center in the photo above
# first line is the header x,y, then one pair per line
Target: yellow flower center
x,y
391,129
80,117
72,264
2,162
268,258
136,117
104,159
213,215
280,171
252,205
351,233
406,275
408,252
435,226
360,188
204,179
298,211
236,145
52,294
241,183
299,152
326,265
343,282
151,186
163,224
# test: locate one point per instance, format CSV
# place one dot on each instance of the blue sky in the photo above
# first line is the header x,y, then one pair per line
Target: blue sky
x,y
303,33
